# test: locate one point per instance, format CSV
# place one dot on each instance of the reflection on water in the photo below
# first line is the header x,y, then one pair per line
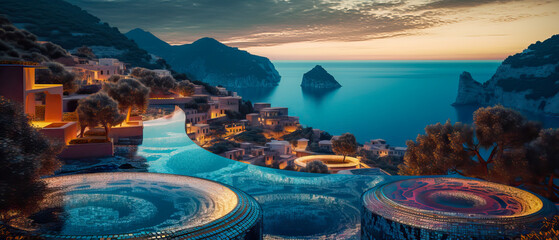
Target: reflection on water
x,y
327,204
392,100
317,95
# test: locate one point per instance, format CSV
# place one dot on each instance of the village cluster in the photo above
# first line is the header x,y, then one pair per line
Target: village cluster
x,y
216,118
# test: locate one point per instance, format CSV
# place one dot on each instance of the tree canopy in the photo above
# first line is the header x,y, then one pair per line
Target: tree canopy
x,y
19,44
155,82
98,109
55,73
316,166
128,92
25,156
114,78
501,146
344,145
86,52
184,88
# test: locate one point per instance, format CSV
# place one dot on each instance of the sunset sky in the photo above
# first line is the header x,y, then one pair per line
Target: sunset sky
x,y
343,29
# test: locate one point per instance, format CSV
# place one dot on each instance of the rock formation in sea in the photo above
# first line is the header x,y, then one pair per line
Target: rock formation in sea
x,y
319,78
212,62
527,81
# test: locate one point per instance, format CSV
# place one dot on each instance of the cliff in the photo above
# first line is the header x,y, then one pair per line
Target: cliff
x,y
319,78
526,81
212,62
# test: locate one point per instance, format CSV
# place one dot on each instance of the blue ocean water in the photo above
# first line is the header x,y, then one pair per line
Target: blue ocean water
x,y
393,100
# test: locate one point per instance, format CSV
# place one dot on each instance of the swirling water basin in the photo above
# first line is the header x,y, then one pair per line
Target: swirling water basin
x,y
313,200
453,207
140,206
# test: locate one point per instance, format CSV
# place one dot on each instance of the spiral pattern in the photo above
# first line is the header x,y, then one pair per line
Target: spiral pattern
x,y
461,208
140,205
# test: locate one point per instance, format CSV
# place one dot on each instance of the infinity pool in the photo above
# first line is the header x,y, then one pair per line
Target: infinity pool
x,y
295,204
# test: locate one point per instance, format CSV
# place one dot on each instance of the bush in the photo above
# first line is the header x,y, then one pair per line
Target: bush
x,y
221,145
316,166
253,135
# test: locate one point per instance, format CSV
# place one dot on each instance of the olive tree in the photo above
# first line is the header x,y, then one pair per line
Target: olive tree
x,y
344,145
128,92
86,52
25,156
501,146
184,88
543,158
153,81
98,109
55,73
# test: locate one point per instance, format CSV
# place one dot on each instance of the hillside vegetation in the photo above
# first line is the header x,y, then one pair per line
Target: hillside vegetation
x,y
71,27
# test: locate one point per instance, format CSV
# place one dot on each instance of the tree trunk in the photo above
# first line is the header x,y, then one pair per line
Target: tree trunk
x,y
128,114
107,129
82,130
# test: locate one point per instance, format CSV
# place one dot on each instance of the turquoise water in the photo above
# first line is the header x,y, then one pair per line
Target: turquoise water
x,y
295,204
393,100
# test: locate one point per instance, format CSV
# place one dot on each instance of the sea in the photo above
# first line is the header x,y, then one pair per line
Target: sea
x,y
391,100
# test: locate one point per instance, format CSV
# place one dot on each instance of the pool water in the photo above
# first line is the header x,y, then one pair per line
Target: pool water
x,y
295,204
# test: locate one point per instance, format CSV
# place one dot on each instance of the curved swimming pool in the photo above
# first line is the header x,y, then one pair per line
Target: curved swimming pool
x,y
295,204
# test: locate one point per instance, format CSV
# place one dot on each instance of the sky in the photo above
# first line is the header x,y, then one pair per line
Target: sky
x,y
343,29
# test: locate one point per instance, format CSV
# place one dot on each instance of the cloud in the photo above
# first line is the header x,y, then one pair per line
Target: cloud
x,y
245,23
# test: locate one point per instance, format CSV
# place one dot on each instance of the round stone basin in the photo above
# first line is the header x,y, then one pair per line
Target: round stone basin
x,y
132,205
461,197
312,216
457,207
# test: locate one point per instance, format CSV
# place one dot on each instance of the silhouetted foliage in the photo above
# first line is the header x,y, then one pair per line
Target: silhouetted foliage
x,y
25,156
153,81
85,52
71,27
221,145
252,135
246,108
325,135
128,92
345,145
217,131
184,88
298,134
18,44
209,88
543,158
55,73
519,153
114,78
98,109
316,166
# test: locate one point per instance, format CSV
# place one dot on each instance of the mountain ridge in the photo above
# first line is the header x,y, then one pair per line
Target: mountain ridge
x,y
71,27
211,61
